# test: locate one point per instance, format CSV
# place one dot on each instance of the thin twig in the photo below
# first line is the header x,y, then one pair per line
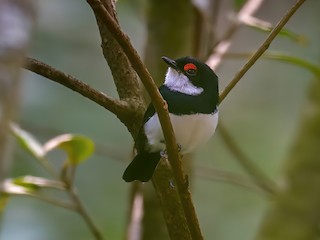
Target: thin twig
x,y
264,46
120,108
162,110
227,177
52,201
258,176
79,206
85,215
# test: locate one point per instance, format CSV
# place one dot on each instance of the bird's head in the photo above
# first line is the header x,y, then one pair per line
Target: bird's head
x,y
190,76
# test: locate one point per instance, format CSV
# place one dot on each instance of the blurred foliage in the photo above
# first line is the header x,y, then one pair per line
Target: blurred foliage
x,y
239,3
78,148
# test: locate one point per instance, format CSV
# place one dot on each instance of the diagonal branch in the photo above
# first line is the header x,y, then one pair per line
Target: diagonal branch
x,y
120,108
256,174
162,110
264,46
222,46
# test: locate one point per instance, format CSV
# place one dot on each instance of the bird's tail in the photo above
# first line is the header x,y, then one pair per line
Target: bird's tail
x,y
142,167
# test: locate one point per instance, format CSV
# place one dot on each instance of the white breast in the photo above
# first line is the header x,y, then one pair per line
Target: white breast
x,y
191,131
178,82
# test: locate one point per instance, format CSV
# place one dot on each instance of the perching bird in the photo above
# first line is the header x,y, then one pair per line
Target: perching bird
x,y
191,92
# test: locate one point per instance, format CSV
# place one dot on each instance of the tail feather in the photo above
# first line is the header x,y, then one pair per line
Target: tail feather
x,y
142,167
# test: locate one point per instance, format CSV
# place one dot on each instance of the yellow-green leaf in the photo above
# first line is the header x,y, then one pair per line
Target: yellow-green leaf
x,y
238,3
293,60
28,186
77,147
27,141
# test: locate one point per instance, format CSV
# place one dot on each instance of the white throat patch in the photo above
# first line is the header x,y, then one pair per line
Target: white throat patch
x,y
178,82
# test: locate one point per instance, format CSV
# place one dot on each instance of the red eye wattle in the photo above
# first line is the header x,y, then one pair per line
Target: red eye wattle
x,y
190,66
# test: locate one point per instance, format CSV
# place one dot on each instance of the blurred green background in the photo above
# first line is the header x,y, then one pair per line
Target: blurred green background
x,y
262,113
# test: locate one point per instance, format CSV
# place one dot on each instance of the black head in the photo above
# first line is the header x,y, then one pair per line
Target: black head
x,y
199,73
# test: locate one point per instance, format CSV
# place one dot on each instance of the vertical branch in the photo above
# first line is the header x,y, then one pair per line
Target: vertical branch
x,y
181,182
124,76
173,37
294,212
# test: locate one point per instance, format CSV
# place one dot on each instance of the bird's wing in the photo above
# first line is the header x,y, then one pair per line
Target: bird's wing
x,y
141,141
149,113
151,110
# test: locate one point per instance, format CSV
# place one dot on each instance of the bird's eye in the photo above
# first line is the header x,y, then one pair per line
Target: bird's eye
x,y
190,69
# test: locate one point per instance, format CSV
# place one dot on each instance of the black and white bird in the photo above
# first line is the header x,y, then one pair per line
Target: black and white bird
x,y
191,92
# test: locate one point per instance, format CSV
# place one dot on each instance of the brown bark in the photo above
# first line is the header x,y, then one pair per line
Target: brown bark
x,y
124,76
162,110
168,35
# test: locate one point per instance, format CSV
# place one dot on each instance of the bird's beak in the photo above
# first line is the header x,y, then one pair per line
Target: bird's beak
x,y
170,62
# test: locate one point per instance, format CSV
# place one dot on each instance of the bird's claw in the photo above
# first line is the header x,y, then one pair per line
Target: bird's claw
x,y
179,148
164,154
171,183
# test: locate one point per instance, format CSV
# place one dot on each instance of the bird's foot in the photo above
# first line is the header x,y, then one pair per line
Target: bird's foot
x,y
171,183
179,148
164,154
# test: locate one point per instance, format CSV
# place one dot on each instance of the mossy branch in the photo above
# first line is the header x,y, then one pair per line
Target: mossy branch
x,y
162,110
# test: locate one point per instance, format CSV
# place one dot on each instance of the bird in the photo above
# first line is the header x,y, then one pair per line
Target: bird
x,y
192,94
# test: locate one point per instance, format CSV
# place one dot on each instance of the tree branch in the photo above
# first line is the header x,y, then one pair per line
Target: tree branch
x,y
264,46
124,77
120,108
173,36
162,110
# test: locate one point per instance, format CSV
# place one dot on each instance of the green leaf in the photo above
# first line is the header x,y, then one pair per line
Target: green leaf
x,y
29,186
77,147
27,141
239,3
293,60
34,183
17,187
278,56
